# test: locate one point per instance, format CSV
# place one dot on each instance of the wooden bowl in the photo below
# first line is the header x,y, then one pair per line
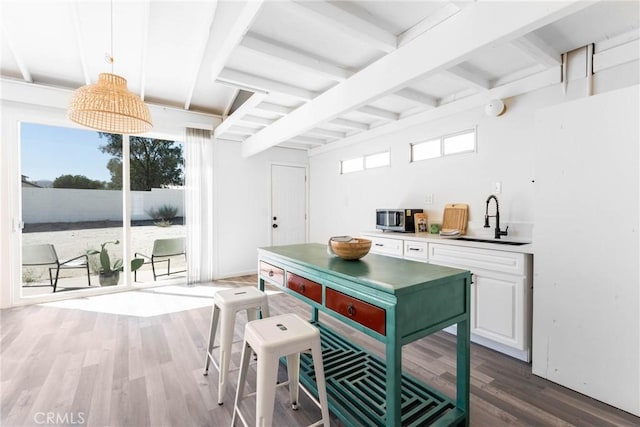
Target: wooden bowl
x,y
351,250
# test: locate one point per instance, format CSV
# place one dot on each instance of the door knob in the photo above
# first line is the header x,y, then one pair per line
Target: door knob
x,y
275,225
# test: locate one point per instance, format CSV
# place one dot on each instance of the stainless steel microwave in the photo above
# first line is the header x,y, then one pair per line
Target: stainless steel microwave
x,y
396,220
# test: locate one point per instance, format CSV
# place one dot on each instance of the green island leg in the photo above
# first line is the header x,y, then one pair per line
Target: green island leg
x,y
394,372
463,363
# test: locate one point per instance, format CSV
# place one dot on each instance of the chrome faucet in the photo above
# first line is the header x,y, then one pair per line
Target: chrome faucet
x,y
498,232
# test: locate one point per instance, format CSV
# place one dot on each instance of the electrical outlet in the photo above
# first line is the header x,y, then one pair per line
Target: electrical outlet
x,y
497,187
428,199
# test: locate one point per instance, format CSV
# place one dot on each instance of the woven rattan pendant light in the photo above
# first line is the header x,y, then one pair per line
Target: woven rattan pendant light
x,y
108,105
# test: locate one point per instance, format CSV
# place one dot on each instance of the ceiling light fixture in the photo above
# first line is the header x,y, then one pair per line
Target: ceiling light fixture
x,y
108,105
495,108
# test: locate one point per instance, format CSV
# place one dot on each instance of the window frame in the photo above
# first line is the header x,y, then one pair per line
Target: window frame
x,y
363,160
442,145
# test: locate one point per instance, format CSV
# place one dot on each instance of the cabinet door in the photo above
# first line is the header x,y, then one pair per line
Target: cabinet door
x,y
497,307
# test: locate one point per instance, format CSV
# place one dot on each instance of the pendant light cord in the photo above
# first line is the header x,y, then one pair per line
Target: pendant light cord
x,y
109,56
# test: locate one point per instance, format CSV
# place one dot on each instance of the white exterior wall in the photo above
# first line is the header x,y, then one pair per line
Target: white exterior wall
x,y
71,205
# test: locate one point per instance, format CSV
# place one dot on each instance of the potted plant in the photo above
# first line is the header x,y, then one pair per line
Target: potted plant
x,y
109,274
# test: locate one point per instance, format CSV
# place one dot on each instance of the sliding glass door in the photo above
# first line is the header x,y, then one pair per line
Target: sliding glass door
x,y
74,226
158,234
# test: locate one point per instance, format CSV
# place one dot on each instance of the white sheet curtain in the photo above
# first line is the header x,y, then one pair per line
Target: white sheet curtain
x,y
199,205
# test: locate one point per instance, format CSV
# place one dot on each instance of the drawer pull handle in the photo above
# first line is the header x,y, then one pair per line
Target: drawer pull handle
x,y
271,273
351,310
301,287
414,249
379,244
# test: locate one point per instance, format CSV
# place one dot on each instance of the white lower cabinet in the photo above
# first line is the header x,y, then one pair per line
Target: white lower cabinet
x,y
501,289
386,246
416,251
501,295
498,308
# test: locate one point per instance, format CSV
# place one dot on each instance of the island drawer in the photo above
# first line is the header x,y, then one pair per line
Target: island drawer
x,y
272,273
305,287
359,311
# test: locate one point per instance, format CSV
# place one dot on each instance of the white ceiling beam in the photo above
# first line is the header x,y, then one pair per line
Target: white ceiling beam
x,y
294,58
350,124
538,50
255,119
254,82
378,113
202,50
417,97
75,18
307,140
242,129
457,96
348,23
241,133
234,35
274,108
477,26
294,146
616,56
59,98
467,78
231,138
246,106
26,74
517,75
442,14
327,132
543,79
618,40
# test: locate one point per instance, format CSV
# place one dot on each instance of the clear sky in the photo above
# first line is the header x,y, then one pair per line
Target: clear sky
x,y
50,151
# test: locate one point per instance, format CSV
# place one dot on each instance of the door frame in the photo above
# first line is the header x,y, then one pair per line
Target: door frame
x,y
306,196
10,191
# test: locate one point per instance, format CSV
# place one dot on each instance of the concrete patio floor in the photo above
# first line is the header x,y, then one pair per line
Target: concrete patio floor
x,y
75,242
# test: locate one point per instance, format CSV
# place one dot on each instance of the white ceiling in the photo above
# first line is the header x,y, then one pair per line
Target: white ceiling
x,y
306,74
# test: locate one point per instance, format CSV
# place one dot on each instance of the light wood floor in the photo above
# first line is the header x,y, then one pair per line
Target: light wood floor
x,y
71,367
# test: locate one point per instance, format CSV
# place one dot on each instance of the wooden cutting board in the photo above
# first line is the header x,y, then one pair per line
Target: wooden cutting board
x,y
455,217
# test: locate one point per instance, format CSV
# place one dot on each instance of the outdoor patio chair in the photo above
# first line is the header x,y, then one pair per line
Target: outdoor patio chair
x,y
163,250
45,254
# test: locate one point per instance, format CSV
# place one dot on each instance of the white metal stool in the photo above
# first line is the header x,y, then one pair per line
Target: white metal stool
x,y
272,338
227,303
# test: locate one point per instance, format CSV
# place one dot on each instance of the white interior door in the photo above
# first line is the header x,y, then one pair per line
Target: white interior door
x,y
288,205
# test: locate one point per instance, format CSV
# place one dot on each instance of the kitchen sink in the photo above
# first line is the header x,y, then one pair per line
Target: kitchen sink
x,y
498,241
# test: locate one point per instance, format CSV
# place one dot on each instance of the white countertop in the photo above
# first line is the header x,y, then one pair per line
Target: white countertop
x,y
436,238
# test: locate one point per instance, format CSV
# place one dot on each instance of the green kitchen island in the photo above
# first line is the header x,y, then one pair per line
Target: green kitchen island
x,y
393,300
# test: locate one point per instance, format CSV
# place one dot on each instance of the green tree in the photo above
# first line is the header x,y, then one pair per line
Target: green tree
x,y
154,163
77,181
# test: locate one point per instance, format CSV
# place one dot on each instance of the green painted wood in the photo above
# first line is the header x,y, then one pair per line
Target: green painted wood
x,y
418,298
356,387
387,274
